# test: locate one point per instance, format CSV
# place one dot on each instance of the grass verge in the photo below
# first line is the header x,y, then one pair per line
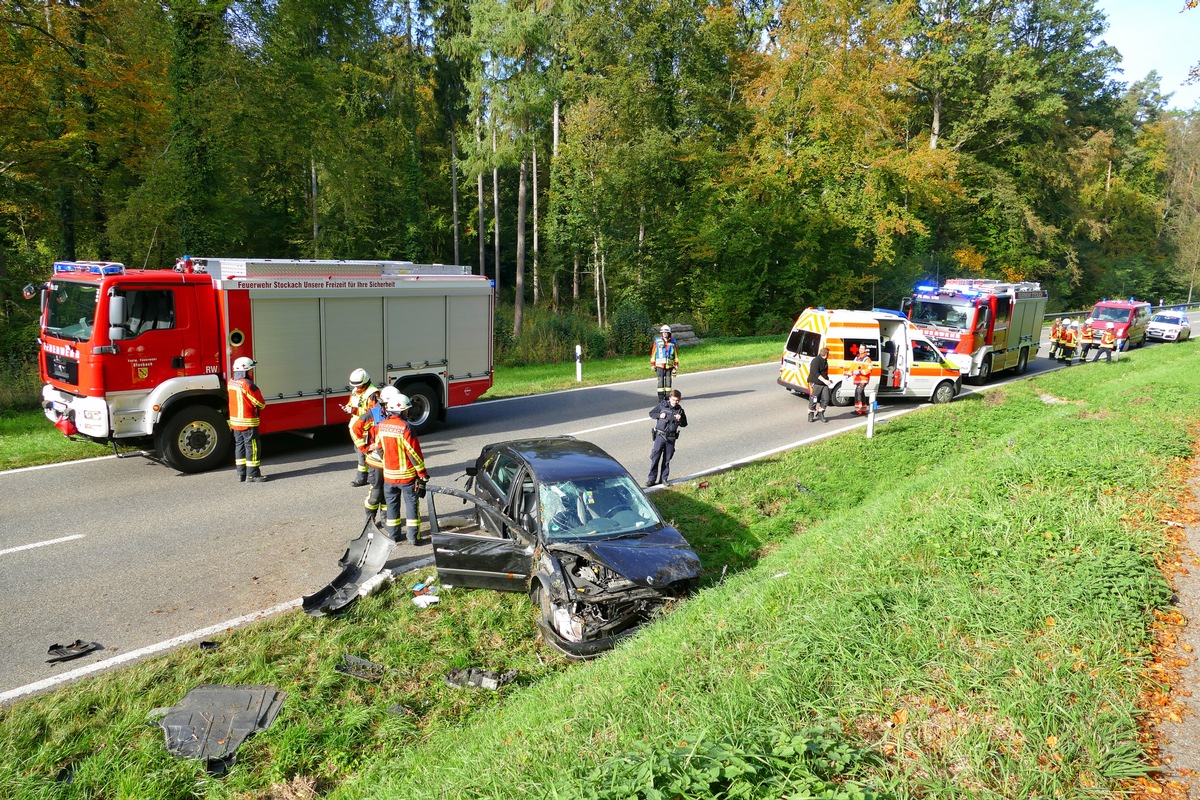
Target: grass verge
x,y
958,607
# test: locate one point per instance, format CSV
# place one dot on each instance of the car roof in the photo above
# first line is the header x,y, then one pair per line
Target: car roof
x,y
560,458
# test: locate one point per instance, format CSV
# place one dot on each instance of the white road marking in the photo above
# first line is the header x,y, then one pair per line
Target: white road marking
x,y
69,463
40,544
606,427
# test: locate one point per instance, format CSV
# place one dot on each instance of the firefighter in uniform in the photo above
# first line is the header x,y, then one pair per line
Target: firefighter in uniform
x,y
362,389
363,431
1086,337
861,376
664,358
245,401
1108,343
1055,330
404,475
1066,350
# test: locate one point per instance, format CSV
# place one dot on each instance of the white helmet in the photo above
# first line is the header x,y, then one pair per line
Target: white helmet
x,y
397,402
388,395
665,329
359,377
242,364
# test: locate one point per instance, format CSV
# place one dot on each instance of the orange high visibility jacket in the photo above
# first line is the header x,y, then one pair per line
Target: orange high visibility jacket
x,y
1055,329
1068,337
1086,334
1109,340
244,402
364,431
402,458
862,372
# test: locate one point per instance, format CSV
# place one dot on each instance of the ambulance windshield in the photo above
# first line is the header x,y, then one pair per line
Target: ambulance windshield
x,y
956,316
71,310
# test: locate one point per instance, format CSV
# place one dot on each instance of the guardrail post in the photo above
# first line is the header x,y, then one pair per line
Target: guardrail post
x,y
578,364
871,406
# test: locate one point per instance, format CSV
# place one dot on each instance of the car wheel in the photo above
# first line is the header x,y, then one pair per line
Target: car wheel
x,y
425,406
195,439
944,393
1023,361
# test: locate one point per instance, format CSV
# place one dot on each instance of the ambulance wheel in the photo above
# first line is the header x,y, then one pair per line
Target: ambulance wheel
x,y
838,398
1023,361
196,439
944,393
425,406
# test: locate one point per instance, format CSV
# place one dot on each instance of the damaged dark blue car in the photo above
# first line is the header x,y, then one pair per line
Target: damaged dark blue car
x,y
563,521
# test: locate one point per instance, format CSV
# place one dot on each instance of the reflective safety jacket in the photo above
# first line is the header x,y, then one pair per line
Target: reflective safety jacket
x,y
862,371
1109,340
402,458
359,398
364,432
1055,330
1086,334
244,402
664,355
1068,337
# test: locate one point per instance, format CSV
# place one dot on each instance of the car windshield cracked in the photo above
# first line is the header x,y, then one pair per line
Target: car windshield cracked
x,y
563,521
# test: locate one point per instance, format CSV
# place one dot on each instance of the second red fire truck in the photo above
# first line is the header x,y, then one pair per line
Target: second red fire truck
x,y
983,326
143,355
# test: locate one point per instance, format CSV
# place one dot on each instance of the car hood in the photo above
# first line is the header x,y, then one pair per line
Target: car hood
x,y
655,560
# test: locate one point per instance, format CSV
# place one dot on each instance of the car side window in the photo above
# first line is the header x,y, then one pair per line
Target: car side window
x,y
501,470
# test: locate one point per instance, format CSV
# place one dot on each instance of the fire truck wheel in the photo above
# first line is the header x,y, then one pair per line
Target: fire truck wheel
x,y
985,371
425,405
195,439
1023,361
944,393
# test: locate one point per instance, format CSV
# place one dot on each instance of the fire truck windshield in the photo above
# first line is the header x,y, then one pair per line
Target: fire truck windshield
x,y
71,310
1110,314
956,316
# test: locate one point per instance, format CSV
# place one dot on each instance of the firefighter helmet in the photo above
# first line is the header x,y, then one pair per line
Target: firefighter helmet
x,y
387,395
397,402
359,377
242,364
1074,323
665,329
1110,326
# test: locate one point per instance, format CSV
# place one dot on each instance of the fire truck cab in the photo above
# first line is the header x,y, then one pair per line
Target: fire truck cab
x,y
983,326
905,363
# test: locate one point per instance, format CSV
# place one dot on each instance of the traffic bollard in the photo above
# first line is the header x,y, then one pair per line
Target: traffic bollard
x,y
578,364
871,406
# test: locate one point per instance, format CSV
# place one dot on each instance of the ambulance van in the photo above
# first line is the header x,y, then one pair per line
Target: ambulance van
x,y
905,363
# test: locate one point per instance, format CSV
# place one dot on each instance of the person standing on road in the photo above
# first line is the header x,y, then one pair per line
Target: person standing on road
x,y
1108,342
245,402
1086,339
861,376
664,359
363,431
404,475
668,417
360,394
1055,332
818,385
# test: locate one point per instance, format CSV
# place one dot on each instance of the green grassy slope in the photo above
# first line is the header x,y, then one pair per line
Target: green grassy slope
x,y
957,607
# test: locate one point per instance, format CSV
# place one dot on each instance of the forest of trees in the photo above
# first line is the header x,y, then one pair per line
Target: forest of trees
x,y
722,162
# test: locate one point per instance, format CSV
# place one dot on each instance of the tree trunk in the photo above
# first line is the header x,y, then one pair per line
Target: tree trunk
x,y
575,281
536,293
480,232
935,127
454,188
315,226
519,284
596,278
496,212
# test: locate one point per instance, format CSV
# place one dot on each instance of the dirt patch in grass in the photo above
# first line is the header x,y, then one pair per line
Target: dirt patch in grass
x,y
996,397
1101,414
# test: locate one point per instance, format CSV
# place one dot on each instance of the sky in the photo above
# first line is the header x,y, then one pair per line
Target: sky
x,y
1154,35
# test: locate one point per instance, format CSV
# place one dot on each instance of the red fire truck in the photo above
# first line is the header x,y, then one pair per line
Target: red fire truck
x,y
129,355
983,326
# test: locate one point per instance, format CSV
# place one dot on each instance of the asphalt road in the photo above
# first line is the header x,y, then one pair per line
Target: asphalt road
x,y
133,555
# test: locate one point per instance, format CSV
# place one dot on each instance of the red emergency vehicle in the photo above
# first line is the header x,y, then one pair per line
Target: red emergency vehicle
x,y
983,326
129,355
1130,320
